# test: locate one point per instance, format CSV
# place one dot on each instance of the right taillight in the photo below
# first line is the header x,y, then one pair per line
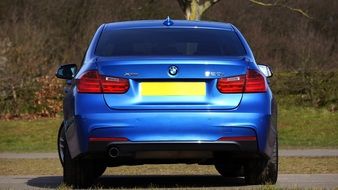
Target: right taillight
x,y
253,81
231,84
93,82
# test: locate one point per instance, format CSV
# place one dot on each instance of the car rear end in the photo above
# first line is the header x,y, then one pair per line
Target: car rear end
x,y
170,94
153,92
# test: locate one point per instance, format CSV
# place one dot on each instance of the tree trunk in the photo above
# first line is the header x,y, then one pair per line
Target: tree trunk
x,y
193,10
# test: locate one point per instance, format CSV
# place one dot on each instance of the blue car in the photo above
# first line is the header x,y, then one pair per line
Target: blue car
x,y
167,92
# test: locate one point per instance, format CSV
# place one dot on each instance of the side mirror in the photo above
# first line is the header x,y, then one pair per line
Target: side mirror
x,y
266,70
67,71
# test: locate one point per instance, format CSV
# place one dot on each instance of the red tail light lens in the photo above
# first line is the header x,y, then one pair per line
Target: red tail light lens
x,y
114,85
231,84
92,82
89,83
253,81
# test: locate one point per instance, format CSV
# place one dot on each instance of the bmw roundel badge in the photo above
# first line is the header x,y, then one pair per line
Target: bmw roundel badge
x,y
173,70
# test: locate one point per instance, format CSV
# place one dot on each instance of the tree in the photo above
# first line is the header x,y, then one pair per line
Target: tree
x,y
194,9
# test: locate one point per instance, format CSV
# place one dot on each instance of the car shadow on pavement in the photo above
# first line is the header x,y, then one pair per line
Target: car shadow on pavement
x,y
146,181
45,182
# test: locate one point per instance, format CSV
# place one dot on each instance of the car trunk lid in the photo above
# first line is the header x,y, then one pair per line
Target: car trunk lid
x,y
193,87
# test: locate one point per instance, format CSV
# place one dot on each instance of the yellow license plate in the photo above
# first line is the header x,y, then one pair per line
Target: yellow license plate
x,y
173,88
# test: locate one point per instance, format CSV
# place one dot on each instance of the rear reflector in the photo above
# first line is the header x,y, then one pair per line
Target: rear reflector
x,y
92,82
253,81
110,139
243,138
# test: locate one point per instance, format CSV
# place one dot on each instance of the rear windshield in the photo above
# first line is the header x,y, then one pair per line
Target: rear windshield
x,y
169,42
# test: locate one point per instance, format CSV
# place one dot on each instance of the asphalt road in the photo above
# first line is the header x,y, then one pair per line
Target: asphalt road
x,y
325,181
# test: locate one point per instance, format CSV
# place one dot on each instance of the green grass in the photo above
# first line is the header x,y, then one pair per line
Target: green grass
x,y
29,136
298,128
307,128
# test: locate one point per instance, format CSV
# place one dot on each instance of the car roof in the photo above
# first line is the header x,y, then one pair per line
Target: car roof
x,y
175,24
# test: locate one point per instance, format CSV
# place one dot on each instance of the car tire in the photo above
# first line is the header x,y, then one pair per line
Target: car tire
x,y
261,172
80,173
98,169
61,143
232,170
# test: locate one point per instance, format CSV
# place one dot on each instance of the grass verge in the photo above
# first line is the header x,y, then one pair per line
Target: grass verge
x,y
298,128
29,136
288,165
301,127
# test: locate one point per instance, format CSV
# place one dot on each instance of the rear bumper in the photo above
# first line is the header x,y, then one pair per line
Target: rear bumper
x,y
172,130
206,152
150,128
126,148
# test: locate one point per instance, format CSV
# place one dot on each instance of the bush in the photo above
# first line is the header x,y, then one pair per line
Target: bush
x,y
41,97
316,89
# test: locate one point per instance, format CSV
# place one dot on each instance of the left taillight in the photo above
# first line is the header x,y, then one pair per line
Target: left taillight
x,y
89,82
114,85
93,82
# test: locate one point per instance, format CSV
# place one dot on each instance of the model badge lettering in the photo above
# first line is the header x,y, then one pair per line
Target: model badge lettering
x,y
213,74
130,74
